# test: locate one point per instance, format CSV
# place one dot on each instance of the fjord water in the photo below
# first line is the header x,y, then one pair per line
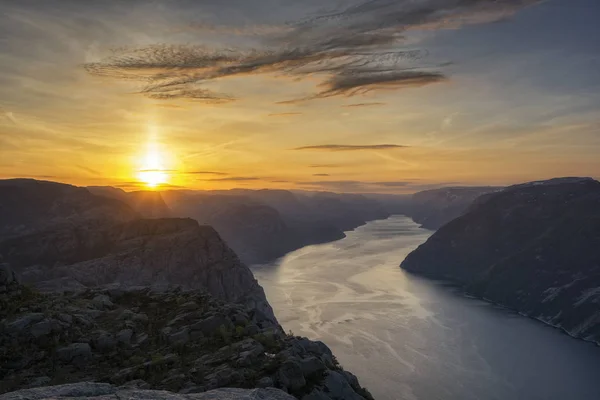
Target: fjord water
x,y
410,338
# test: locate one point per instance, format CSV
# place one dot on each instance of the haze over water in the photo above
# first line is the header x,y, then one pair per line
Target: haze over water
x,y
410,338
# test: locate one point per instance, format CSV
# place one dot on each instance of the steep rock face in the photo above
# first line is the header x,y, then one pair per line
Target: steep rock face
x,y
534,248
101,391
146,252
27,205
184,341
256,232
435,208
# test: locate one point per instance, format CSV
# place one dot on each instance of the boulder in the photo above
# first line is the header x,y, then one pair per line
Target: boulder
x,y
76,353
290,375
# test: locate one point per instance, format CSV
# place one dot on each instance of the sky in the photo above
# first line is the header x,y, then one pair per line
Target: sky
x,y
388,96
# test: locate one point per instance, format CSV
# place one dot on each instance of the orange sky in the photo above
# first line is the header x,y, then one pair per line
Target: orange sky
x,y
67,114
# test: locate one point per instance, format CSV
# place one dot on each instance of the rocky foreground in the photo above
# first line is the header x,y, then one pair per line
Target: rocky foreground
x,y
176,340
103,391
534,248
90,292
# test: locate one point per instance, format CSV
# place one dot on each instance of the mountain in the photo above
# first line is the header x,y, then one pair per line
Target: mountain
x,y
435,208
148,203
534,248
256,232
262,225
27,205
89,291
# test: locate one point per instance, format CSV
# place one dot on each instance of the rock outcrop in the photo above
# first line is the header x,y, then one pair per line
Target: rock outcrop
x,y
146,252
103,391
177,340
534,248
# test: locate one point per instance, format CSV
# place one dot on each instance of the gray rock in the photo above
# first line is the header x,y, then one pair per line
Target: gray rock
x,y
124,336
290,375
66,318
41,328
211,326
104,342
17,326
7,275
265,382
74,390
312,366
316,394
104,391
179,338
76,353
339,388
102,302
39,381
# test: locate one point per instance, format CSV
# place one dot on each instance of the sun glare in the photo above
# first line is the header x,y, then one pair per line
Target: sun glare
x,y
153,172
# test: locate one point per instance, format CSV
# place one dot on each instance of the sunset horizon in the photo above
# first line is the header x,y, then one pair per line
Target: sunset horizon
x,y
381,97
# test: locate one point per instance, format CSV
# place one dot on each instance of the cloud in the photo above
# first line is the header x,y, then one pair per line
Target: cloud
x,y
354,50
286,114
320,174
393,183
326,165
89,170
363,105
343,147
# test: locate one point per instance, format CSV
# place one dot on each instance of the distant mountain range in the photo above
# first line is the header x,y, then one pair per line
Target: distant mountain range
x,y
534,248
259,225
434,208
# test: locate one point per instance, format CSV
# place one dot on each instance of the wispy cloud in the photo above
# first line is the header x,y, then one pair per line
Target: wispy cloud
x,y
89,170
320,174
357,49
363,105
326,166
286,114
345,147
233,179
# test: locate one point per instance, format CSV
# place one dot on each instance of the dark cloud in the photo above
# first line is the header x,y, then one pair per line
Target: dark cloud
x,y
363,105
344,147
357,50
320,174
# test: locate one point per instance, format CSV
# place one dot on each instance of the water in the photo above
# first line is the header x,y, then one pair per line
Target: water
x,y
410,338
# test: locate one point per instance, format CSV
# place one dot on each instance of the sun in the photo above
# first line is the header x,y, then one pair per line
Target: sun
x,y
153,173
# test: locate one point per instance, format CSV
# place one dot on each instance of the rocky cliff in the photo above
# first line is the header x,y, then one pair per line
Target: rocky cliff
x,y
149,303
177,340
434,208
534,248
